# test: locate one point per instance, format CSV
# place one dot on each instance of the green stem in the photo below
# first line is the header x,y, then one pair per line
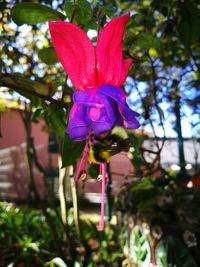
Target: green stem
x,y
27,125
177,111
75,207
62,191
108,194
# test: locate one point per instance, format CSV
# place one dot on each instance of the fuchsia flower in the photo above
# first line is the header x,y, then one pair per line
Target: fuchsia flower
x,y
97,73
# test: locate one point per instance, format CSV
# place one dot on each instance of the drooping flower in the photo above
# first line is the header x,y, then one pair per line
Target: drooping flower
x,y
97,73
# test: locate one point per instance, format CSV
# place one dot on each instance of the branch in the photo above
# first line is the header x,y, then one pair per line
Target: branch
x,y
157,158
33,93
154,94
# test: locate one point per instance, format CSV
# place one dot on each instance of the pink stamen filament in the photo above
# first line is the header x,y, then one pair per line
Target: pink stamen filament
x,y
102,172
100,226
83,163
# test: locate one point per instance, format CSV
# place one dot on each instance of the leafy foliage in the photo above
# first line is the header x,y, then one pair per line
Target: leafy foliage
x,y
48,55
171,251
25,236
170,217
32,13
188,24
163,38
140,249
21,83
26,239
71,151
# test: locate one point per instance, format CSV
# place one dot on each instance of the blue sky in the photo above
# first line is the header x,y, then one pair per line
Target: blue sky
x,y
186,119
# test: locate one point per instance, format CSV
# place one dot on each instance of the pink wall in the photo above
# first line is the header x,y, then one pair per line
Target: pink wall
x,y
14,138
13,164
13,130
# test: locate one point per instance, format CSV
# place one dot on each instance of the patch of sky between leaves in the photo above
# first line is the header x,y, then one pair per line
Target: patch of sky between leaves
x,y
169,118
187,132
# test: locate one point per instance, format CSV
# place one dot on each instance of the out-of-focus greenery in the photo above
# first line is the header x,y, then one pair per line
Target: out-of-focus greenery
x,y
26,240
166,217
162,36
25,236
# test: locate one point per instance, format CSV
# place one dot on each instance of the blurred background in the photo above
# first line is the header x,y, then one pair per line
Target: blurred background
x,y
152,195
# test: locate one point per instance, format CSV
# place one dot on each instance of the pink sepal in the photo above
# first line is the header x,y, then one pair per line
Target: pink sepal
x,y
111,67
75,52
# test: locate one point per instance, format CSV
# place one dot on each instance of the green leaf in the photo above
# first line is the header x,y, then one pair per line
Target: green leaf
x,y
69,7
32,13
82,13
71,151
163,6
147,41
48,55
161,112
2,6
57,120
36,114
188,27
20,83
93,170
171,252
108,10
139,251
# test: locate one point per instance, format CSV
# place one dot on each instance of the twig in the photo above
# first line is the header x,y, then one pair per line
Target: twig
x,y
73,15
27,124
159,148
33,93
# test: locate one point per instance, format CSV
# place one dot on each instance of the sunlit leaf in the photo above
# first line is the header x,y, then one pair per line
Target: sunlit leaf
x,y
36,115
32,13
19,82
153,52
71,151
48,55
147,41
188,27
56,118
139,247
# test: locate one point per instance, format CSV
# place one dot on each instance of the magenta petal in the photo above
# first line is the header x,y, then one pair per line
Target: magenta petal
x,y
75,52
111,67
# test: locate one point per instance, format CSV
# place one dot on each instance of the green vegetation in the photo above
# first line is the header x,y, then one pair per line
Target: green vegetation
x,y
159,217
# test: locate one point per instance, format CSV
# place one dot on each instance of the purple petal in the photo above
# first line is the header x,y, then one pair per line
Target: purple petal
x,y
88,98
111,108
100,110
79,123
103,123
117,94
